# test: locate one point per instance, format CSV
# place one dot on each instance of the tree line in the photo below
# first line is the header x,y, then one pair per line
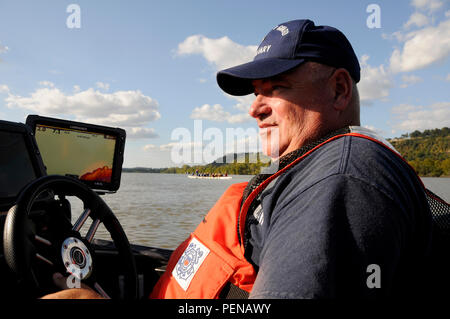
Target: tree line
x,y
428,152
234,164
231,164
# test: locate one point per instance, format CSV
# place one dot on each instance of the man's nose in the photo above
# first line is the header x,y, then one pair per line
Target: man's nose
x,y
259,107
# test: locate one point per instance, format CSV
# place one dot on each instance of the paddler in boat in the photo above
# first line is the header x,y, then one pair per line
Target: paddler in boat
x,y
341,215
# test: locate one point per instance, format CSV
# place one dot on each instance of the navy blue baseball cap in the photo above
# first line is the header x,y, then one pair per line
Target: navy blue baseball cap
x,y
287,46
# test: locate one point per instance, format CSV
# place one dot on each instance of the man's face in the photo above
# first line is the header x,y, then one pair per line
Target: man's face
x,y
290,110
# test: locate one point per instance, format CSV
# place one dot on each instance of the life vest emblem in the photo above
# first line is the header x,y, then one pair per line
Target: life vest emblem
x,y
189,262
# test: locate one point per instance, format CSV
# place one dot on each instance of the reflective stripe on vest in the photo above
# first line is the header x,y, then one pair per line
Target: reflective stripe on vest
x,y
212,256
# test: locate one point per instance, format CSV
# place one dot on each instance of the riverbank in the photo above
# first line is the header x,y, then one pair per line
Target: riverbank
x,y
163,171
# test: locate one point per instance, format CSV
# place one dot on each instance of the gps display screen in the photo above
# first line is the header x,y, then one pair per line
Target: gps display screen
x,y
88,156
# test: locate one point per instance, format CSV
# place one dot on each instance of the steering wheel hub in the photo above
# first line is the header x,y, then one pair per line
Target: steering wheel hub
x,y
76,258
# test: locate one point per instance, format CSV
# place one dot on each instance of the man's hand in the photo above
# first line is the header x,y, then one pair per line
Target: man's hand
x,y
75,293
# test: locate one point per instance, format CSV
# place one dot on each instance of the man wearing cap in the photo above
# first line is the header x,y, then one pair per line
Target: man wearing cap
x,y
338,215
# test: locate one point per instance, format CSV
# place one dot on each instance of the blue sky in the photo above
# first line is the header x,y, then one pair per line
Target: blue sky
x,y
150,66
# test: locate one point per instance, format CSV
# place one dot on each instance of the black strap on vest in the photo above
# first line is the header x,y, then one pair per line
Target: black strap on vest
x,y
231,291
440,211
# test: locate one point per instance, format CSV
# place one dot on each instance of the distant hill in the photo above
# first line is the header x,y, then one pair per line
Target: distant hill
x,y
232,164
428,151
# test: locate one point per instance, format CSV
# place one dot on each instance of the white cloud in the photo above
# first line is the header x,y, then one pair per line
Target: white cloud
x,y
397,35
209,112
427,5
216,113
168,147
131,110
422,48
376,130
4,88
243,102
419,117
47,84
149,147
221,53
103,86
375,82
193,145
141,132
3,48
417,19
403,108
409,80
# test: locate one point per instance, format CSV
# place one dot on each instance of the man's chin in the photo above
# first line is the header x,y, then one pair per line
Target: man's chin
x,y
270,142
272,152
273,156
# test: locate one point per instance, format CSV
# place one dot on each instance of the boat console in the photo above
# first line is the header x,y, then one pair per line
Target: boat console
x,y
42,163
20,161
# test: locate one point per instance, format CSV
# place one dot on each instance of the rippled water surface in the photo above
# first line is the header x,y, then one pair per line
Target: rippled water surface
x,y
440,186
161,210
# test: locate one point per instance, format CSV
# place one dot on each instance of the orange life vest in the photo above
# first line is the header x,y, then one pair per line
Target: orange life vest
x,y
213,255
210,257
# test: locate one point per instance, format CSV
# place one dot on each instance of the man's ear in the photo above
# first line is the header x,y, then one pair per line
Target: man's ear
x,y
342,86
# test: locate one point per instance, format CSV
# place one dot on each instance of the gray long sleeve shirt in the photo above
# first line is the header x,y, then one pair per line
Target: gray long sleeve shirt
x,y
328,223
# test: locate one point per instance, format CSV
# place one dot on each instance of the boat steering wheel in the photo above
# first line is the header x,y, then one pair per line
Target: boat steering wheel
x,y
66,251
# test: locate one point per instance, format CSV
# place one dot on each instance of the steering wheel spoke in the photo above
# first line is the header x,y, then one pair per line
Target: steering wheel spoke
x,y
92,230
42,240
47,243
100,290
81,220
45,260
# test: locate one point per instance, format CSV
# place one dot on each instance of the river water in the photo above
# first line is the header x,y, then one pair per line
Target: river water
x,y
161,210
